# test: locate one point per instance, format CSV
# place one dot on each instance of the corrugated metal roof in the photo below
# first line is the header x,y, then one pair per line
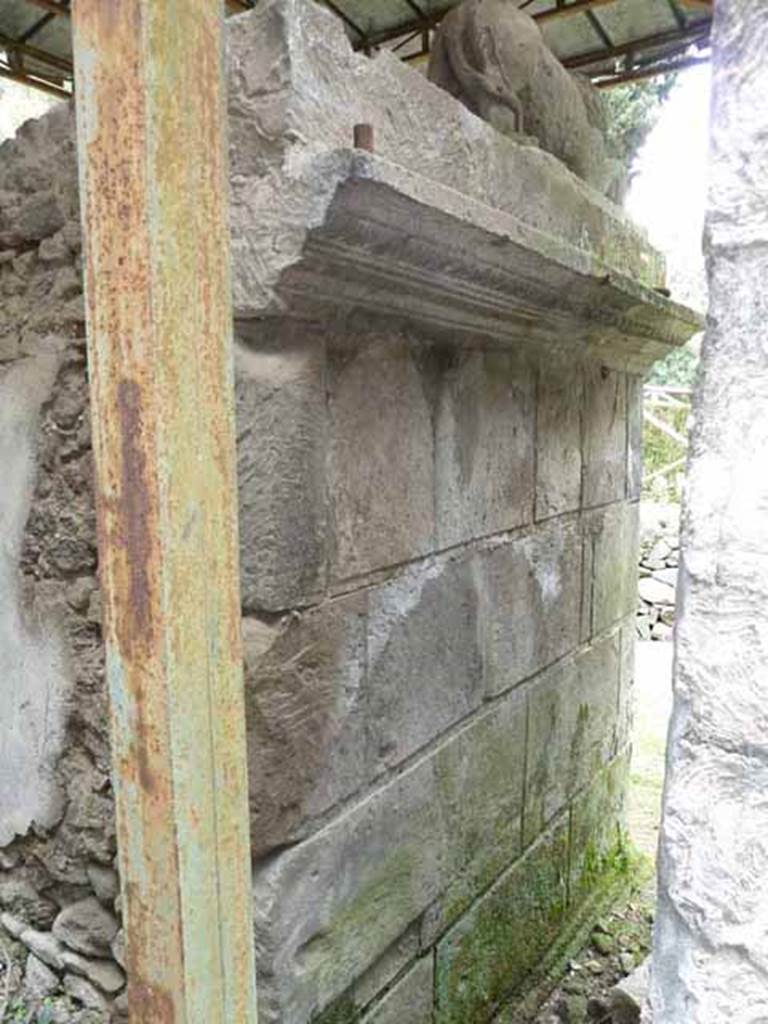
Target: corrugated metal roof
x,y
610,40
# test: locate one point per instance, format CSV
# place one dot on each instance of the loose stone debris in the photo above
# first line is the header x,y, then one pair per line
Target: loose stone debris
x,y
607,980
657,584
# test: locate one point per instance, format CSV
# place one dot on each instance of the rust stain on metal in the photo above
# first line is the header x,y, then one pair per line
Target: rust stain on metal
x,y
150,1004
363,137
138,523
150,122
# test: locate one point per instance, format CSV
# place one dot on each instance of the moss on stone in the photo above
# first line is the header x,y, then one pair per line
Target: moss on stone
x,y
382,902
343,1011
491,950
489,955
599,847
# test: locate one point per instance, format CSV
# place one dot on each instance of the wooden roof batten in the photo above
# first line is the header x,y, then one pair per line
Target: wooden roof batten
x,y
42,59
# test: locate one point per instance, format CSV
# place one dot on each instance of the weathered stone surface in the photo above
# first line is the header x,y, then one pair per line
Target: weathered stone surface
x,y
384,793
85,993
339,694
120,1008
19,895
281,432
410,1000
34,679
382,506
484,446
634,437
626,713
656,591
379,976
486,956
571,729
45,946
39,216
494,59
610,585
104,882
328,908
627,999
598,846
118,948
13,925
296,86
425,655
39,980
558,439
605,435
105,974
532,594
87,927
305,716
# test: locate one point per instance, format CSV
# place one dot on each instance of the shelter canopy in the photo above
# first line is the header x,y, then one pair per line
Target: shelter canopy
x,y
612,41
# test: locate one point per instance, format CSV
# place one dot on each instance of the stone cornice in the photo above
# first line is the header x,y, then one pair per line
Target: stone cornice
x,y
396,245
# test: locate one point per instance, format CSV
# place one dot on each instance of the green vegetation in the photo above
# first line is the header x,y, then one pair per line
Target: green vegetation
x,y
678,369
632,111
660,450
343,1011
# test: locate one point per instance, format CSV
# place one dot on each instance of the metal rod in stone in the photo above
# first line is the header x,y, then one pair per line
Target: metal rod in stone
x,y
363,137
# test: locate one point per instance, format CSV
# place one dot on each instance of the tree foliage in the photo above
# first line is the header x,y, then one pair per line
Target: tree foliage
x,y
631,113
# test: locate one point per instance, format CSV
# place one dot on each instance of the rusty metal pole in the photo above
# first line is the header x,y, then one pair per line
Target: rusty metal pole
x,y
154,187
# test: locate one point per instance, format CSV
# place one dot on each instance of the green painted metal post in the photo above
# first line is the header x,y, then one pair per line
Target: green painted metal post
x,y
154,188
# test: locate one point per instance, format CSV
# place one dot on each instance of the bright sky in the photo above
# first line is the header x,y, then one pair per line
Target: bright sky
x,y
18,104
668,195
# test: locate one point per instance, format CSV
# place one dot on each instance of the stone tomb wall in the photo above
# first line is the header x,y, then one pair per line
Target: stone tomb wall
x,y
438,544
434,670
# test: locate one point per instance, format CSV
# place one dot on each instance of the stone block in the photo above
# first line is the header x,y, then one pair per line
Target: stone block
x,y
484,446
425,656
558,439
39,980
605,436
328,908
381,456
626,684
598,847
87,927
634,437
410,1000
85,993
610,564
305,716
572,713
338,694
296,87
487,955
532,594
280,412
392,963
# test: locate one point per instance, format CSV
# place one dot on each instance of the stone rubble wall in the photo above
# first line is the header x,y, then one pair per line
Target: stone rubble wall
x,y
658,571
438,588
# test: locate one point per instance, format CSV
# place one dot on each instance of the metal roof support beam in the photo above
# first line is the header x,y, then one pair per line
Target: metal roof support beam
x,y
34,83
432,20
52,6
154,187
348,22
639,74
42,56
697,33
575,7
